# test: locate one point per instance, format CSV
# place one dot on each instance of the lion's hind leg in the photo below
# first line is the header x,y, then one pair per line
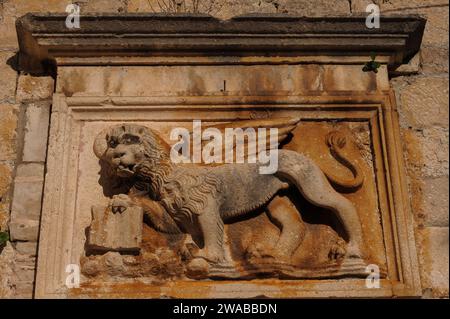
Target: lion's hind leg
x,y
292,228
313,184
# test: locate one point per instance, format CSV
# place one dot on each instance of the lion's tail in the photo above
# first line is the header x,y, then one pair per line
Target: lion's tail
x,y
336,143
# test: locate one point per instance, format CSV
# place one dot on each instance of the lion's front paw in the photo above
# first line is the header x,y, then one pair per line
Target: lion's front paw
x,y
258,252
198,268
119,203
210,256
336,252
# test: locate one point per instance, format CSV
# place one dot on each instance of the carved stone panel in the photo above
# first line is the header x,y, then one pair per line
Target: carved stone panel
x,y
317,226
120,214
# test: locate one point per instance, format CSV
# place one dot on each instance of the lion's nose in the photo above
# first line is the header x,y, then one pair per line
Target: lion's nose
x,y
119,154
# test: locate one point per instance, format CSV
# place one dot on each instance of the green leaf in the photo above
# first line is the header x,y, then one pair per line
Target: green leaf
x,y
4,237
373,56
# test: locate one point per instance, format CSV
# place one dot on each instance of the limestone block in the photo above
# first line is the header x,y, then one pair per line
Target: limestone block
x,y
24,229
200,80
6,169
352,78
102,5
435,151
24,290
229,8
359,6
36,132
12,9
6,273
436,261
27,199
26,248
120,231
425,102
143,6
437,22
412,67
434,59
226,9
8,119
5,178
32,88
8,77
24,272
435,193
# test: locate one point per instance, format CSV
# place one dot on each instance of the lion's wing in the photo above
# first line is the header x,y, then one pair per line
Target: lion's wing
x,y
284,126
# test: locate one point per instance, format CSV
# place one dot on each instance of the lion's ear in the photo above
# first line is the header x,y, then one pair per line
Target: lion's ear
x,y
100,143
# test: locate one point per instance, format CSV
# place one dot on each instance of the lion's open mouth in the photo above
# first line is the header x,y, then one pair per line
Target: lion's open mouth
x,y
126,170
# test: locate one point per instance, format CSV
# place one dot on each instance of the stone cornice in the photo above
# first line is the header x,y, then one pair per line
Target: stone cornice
x,y
44,38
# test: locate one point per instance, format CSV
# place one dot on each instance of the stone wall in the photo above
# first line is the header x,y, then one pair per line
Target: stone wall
x,y
422,97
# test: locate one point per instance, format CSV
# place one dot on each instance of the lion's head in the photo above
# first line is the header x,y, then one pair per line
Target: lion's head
x,y
127,147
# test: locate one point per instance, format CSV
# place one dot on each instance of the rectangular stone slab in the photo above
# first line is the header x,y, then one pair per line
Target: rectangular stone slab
x,y
120,232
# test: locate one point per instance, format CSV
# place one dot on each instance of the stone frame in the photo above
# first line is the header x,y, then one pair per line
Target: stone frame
x,y
200,40
57,221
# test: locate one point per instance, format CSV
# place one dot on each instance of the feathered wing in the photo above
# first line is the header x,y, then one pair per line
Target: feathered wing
x,y
284,126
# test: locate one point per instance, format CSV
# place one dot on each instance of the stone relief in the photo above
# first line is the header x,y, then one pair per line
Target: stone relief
x,y
199,221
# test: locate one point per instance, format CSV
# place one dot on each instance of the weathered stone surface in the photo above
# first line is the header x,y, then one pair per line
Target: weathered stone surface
x,y
412,67
194,81
435,151
36,132
33,88
8,118
8,77
437,24
346,78
12,9
143,6
26,248
5,178
435,260
435,193
426,151
424,102
24,229
6,170
359,6
399,5
102,5
28,195
230,8
114,230
24,271
6,273
33,170
226,9
434,59
23,290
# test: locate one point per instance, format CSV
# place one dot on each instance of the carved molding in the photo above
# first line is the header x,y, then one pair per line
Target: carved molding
x,y
139,39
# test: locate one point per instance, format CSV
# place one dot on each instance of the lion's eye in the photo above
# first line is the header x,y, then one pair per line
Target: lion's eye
x,y
112,143
130,139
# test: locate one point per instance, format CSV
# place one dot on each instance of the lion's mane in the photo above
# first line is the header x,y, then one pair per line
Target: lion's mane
x,y
182,190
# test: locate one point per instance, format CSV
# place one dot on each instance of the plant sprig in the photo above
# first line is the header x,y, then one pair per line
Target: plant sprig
x,y
4,237
372,65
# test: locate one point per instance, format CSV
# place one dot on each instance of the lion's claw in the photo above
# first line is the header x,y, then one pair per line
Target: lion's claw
x,y
120,203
